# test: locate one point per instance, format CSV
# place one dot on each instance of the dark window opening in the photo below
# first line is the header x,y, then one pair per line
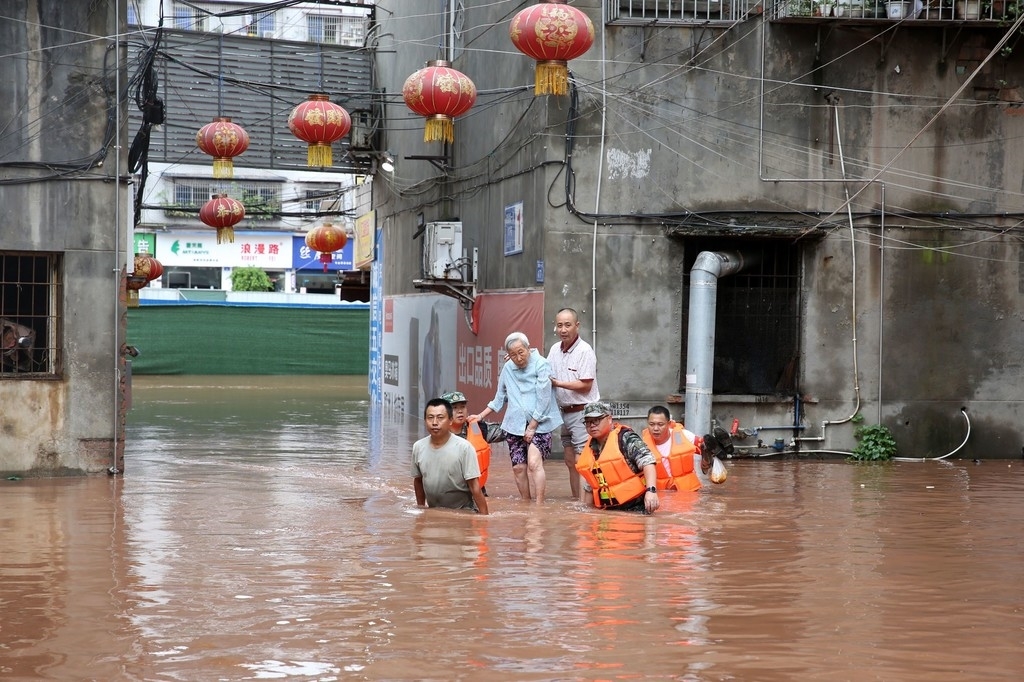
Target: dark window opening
x,y
757,318
29,329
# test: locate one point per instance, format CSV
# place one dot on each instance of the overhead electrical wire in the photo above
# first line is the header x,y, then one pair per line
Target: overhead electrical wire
x,y
709,120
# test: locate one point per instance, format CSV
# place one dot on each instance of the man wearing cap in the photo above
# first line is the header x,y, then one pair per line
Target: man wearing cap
x,y
574,366
616,464
480,434
445,472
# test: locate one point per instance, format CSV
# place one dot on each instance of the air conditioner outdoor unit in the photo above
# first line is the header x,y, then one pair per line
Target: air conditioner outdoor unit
x,y
267,34
442,249
363,128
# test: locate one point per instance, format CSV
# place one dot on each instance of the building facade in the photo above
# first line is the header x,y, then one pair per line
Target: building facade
x,y
783,218
63,239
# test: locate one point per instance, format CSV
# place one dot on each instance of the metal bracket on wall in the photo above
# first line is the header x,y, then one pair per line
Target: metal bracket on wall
x,y
441,163
465,292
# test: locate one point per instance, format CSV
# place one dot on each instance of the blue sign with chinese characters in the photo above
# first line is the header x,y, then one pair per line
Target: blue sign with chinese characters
x,y
305,258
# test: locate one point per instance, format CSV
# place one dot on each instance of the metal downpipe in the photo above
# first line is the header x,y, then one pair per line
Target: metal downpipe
x,y
700,337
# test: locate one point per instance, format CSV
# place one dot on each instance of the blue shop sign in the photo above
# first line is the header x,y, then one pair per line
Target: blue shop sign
x,y
305,258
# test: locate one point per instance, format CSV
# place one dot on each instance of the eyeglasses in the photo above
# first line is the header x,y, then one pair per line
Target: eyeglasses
x,y
594,421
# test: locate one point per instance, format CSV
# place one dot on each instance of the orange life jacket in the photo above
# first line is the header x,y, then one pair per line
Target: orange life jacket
x,y
609,476
475,436
680,460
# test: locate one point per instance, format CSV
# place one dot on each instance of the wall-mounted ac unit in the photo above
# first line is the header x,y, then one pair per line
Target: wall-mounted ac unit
x,y
267,34
363,129
442,249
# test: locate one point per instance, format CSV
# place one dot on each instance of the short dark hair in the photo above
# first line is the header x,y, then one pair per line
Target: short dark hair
x,y
434,402
575,315
660,409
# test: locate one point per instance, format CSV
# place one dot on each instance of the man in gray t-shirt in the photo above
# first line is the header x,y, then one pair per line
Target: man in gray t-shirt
x,y
445,469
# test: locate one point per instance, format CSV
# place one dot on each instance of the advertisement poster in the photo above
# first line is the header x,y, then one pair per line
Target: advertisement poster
x,y
479,356
376,378
418,353
514,229
365,231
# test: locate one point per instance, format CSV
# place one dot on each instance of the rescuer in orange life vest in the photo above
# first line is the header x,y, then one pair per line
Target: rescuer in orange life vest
x,y
617,466
480,434
675,449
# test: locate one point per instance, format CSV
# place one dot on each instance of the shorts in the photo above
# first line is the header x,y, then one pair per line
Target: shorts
x,y
574,431
517,446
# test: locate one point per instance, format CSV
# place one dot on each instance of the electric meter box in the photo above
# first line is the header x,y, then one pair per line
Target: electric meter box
x,y
442,249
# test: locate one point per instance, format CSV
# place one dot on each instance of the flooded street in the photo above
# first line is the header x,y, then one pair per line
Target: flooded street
x,y
260,533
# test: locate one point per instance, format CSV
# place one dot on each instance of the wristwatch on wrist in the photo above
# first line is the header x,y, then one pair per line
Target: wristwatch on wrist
x,y
652,489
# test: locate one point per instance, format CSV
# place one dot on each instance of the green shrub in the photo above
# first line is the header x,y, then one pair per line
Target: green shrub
x,y
876,444
250,279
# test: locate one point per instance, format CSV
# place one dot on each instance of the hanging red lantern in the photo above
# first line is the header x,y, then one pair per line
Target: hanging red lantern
x,y
319,122
223,140
552,33
326,239
146,270
222,213
440,93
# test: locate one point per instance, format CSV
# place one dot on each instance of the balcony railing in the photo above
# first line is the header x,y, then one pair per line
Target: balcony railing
x,y
989,12
680,11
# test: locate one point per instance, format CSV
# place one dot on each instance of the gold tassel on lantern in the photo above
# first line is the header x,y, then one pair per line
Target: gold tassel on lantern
x,y
223,168
225,234
319,154
439,127
551,78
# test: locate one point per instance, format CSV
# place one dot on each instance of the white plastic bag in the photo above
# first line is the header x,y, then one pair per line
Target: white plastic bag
x,y
718,471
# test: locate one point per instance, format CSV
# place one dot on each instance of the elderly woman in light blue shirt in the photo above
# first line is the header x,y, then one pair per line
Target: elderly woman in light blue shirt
x,y
532,415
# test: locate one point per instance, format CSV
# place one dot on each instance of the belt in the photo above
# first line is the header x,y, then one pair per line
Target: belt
x,y
570,408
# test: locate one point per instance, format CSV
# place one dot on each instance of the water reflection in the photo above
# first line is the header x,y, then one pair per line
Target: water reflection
x,y
255,536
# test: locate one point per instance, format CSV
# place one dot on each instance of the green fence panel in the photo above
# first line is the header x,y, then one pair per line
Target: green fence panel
x,y
212,339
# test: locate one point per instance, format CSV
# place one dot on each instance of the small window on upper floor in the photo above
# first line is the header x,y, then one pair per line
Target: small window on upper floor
x,y
680,11
316,194
188,18
133,13
30,292
261,25
336,30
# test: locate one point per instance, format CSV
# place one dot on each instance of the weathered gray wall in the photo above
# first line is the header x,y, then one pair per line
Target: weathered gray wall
x,y
57,91
682,135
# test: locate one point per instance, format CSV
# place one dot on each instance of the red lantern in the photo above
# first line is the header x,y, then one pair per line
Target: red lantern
x,y
319,122
552,33
222,212
146,269
326,239
223,140
440,93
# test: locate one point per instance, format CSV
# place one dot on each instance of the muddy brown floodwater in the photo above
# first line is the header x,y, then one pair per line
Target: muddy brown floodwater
x,y
260,533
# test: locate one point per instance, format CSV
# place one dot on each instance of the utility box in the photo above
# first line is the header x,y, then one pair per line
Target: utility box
x,y
442,250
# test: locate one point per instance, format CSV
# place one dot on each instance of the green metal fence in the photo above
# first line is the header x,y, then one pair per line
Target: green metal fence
x,y
218,339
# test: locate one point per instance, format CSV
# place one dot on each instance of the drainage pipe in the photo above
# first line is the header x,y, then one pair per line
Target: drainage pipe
x,y
700,335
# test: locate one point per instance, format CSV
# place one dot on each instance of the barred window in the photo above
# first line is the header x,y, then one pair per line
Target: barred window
x,y
262,200
680,11
315,194
188,18
30,289
756,320
336,30
261,25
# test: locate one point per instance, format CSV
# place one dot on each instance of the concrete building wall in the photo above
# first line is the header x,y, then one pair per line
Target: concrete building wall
x,y
731,136
58,167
